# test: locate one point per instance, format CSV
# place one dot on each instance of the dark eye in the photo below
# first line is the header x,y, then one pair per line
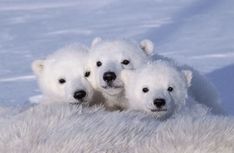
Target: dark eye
x,y
99,63
87,74
62,81
170,89
125,62
145,90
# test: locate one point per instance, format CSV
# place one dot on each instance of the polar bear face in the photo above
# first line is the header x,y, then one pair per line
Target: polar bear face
x,y
61,76
108,59
157,88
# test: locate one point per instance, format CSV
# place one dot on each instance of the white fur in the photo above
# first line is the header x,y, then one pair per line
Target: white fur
x,y
65,129
67,63
157,77
111,54
202,90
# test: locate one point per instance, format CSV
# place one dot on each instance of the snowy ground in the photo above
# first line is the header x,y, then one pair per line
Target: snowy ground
x,y
196,32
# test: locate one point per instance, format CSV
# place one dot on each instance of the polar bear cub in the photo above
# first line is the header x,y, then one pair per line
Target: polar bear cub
x,y
106,61
201,90
158,88
62,76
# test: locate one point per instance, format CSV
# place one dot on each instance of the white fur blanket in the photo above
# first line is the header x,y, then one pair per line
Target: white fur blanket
x,y
68,129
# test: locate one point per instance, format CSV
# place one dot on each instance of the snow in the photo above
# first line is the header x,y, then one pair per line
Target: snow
x,y
196,32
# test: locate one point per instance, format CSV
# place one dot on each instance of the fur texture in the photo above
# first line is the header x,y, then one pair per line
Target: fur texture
x,y
69,129
202,90
162,92
111,53
112,57
62,76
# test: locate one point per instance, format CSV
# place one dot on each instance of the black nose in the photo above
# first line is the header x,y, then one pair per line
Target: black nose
x,y
79,94
109,76
159,102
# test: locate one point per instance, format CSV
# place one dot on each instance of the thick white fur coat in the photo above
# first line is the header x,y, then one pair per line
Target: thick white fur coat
x,y
70,129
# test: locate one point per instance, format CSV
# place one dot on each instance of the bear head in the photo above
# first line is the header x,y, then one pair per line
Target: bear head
x,y
108,58
158,88
61,76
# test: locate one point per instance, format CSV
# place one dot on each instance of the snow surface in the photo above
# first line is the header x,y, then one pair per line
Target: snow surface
x,y
196,32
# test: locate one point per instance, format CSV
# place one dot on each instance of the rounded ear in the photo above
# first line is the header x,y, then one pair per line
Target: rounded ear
x,y
147,46
96,41
127,75
188,76
38,66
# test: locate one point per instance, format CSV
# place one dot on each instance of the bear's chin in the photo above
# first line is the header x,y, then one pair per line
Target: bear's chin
x,y
159,114
85,101
112,90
